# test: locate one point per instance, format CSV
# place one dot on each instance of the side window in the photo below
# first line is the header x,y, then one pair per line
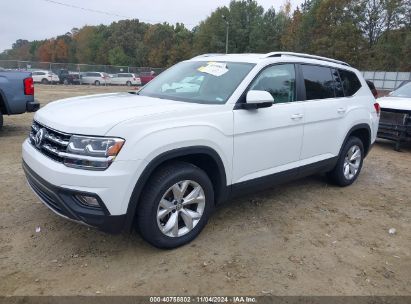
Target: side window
x,y
350,81
279,81
338,87
319,83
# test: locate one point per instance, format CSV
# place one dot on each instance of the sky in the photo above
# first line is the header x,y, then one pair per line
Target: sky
x,y
41,19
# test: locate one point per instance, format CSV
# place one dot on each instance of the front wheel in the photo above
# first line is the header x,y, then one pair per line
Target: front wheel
x,y
128,83
175,205
45,81
349,163
97,83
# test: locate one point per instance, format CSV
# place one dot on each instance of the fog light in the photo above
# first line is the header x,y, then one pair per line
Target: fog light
x,y
88,200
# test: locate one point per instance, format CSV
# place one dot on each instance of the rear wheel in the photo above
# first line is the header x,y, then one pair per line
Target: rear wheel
x,y
97,83
349,164
45,81
175,205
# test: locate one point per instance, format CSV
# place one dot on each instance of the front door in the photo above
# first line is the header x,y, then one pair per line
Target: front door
x,y
269,140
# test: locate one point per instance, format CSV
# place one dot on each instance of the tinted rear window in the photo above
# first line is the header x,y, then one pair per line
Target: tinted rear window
x,y
319,82
350,81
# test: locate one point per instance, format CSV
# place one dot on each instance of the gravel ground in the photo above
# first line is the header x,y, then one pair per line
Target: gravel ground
x,y
302,238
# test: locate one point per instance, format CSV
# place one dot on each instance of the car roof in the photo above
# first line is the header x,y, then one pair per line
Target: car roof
x,y
280,56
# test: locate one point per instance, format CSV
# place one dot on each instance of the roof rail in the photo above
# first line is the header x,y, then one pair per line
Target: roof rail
x,y
279,54
209,55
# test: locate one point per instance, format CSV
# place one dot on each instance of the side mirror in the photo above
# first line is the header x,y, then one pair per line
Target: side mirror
x,y
258,99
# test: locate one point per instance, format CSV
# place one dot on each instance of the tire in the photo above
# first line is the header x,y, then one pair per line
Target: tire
x,y
150,223
44,81
1,120
344,174
65,82
97,83
128,83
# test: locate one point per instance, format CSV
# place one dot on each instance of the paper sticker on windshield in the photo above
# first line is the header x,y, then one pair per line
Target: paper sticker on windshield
x,y
214,68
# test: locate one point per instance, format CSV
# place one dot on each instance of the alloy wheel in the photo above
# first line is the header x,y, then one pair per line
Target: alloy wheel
x,y
180,208
352,162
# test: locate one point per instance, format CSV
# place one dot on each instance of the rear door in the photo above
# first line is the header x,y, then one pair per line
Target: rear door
x,y
325,109
116,79
86,78
35,76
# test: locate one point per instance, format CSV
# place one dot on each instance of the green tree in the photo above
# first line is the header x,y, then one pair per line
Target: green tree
x,y
117,56
370,34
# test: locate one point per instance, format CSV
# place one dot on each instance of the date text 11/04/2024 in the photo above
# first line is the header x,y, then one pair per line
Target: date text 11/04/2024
x,y
203,299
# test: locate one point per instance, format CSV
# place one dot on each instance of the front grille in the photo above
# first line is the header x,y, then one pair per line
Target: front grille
x,y
393,118
395,125
51,143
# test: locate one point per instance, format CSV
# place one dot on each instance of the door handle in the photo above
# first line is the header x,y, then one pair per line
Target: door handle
x,y
297,116
341,110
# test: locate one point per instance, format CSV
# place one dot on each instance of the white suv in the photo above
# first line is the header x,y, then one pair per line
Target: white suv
x,y
45,77
127,79
95,78
161,159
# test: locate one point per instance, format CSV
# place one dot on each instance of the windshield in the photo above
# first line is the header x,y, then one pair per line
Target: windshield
x,y
198,81
404,91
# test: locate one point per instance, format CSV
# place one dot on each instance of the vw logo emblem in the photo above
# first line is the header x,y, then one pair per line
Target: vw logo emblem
x,y
38,138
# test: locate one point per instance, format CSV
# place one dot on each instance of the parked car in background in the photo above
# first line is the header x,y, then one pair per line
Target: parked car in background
x,y
395,122
16,94
403,83
162,158
146,77
67,77
127,79
95,78
45,77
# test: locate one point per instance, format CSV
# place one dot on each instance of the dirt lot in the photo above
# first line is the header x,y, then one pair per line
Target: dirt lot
x,y
302,238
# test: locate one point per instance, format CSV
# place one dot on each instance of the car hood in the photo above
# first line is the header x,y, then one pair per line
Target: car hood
x,y
97,114
396,103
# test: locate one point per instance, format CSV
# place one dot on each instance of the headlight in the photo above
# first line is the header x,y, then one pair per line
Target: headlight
x,y
94,153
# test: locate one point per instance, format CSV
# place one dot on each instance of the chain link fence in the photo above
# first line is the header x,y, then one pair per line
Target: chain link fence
x,y
387,81
75,67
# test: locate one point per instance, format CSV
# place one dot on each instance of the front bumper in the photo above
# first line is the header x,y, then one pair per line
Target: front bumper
x,y
63,202
113,188
395,125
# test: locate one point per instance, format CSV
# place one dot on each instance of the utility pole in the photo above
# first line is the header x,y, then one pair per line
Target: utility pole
x,y
227,30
